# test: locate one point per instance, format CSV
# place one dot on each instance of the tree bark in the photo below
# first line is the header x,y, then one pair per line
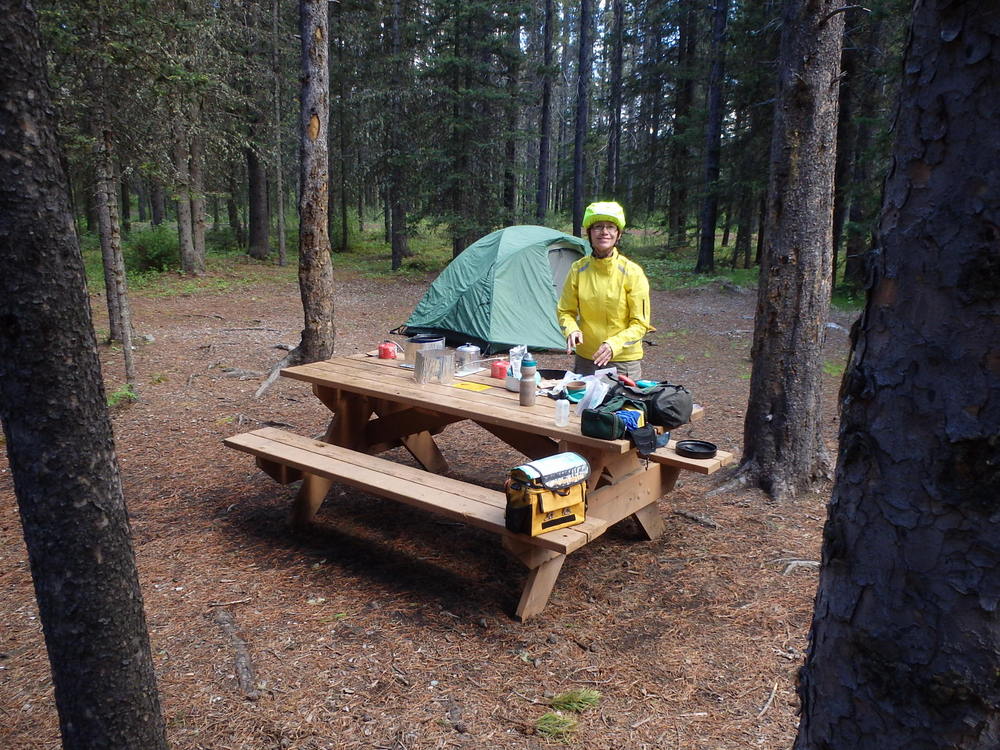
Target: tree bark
x,y
157,202
182,180
257,181
111,249
396,205
233,213
615,121
683,99
545,127
59,438
582,114
278,176
315,267
903,650
713,142
782,451
197,197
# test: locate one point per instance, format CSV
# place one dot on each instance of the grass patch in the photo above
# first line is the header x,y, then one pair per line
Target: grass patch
x,y
833,368
555,726
576,700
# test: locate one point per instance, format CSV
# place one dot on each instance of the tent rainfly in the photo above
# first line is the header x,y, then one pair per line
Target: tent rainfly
x,y
501,291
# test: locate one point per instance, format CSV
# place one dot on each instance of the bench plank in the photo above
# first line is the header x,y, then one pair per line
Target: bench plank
x,y
668,455
470,503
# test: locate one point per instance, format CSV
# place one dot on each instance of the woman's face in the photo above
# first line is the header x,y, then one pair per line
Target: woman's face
x,y
603,236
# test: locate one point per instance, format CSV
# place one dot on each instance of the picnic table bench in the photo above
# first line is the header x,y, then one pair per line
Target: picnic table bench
x,y
377,405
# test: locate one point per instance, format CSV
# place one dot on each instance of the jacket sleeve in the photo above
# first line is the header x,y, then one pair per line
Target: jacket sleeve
x,y
566,310
636,311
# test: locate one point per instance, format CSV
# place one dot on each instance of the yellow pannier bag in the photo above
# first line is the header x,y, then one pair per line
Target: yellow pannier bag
x,y
547,494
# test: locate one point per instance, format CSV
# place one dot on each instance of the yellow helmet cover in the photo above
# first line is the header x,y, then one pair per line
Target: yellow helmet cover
x,y
604,211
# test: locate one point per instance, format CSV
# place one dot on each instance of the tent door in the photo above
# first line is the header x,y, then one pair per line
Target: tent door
x,y
560,259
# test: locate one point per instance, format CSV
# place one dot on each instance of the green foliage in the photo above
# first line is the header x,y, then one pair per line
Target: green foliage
x,y
153,249
833,368
555,726
122,396
577,700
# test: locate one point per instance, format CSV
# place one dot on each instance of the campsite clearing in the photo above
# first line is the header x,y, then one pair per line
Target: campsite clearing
x,y
366,630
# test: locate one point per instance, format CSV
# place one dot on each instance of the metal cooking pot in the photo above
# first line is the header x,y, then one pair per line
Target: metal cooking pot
x,y
420,342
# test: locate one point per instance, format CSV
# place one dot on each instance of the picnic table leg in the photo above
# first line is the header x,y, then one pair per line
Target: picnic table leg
x,y
310,496
346,429
650,521
538,587
420,444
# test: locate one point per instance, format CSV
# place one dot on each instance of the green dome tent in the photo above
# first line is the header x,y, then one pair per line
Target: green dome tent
x,y
501,291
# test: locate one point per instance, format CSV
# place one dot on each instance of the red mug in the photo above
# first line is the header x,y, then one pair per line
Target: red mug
x,y
499,369
387,350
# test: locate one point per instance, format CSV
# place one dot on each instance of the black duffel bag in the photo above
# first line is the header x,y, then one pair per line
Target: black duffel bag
x,y
667,405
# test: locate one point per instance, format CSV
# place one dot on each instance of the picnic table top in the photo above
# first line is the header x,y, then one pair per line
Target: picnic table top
x,y
478,397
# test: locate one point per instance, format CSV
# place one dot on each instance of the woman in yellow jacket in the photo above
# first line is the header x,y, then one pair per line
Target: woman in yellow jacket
x,y
604,307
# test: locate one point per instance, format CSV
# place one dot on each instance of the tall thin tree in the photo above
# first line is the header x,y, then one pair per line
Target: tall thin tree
x,y
315,266
545,126
57,430
713,142
582,113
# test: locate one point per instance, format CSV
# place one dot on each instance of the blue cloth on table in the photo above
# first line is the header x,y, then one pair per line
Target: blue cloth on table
x,y
629,417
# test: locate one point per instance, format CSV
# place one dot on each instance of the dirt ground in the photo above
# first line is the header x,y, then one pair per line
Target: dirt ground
x,y
385,627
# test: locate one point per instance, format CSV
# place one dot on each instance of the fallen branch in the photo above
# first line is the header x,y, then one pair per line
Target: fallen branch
x,y
703,520
770,699
292,358
244,666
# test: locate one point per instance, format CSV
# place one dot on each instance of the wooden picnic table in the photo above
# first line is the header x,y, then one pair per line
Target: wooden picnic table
x,y
377,405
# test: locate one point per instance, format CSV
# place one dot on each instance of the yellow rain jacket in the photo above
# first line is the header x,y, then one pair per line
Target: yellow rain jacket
x,y
607,299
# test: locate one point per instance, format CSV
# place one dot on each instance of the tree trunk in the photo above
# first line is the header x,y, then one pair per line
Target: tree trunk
x,y
903,650
545,127
257,185
111,249
185,221
861,213
59,438
142,197
157,202
396,209
782,450
315,267
615,120
683,99
713,143
125,204
233,212
582,114
197,196
846,138
279,178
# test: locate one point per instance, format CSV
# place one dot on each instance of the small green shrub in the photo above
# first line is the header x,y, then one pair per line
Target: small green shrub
x,y
124,394
154,249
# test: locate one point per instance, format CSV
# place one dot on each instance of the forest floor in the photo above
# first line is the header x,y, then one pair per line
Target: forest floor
x,y
385,627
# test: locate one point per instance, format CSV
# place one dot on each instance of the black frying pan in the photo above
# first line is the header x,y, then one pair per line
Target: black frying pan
x,y
696,449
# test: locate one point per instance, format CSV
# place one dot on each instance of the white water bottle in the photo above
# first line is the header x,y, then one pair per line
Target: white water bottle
x,y
562,412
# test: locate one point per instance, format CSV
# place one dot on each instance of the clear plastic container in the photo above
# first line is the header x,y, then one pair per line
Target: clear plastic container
x,y
562,412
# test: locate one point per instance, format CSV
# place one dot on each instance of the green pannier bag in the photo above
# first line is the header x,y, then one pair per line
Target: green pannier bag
x,y
603,423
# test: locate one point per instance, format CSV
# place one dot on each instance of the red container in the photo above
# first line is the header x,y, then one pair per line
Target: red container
x,y
387,350
499,369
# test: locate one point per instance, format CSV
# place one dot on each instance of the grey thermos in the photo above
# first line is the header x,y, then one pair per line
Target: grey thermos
x,y
528,389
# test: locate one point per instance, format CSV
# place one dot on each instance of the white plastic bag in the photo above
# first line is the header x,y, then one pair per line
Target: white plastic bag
x,y
593,396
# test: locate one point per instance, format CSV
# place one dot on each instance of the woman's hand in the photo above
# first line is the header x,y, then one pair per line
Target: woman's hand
x,y
603,355
573,341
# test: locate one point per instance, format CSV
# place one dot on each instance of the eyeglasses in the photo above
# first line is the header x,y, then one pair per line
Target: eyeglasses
x,y
604,228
